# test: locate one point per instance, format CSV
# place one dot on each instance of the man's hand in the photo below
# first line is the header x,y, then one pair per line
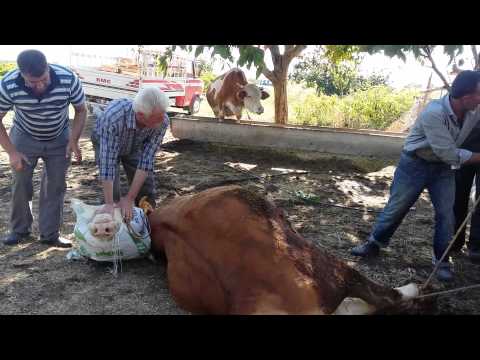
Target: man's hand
x,y
106,209
16,160
126,206
73,147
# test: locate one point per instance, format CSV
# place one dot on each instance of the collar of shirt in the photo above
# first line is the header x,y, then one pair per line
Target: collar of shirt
x,y
448,107
54,81
132,123
130,116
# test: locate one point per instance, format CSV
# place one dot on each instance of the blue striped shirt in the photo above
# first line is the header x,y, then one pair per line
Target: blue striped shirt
x,y
43,117
119,135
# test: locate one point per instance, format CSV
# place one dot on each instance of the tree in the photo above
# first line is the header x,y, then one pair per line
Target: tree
x,y
254,55
333,76
204,67
6,67
422,53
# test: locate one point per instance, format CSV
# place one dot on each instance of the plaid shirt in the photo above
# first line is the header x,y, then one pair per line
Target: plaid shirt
x,y
118,135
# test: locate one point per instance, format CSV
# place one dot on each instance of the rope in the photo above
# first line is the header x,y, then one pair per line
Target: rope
x,y
117,258
139,236
437,265
448,291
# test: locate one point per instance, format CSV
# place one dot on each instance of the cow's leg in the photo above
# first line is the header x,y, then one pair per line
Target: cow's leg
x,y
221,114
218,114
256,302
372,293
239,115
193,282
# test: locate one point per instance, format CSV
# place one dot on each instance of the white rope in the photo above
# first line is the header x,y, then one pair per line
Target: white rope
x,y
445,253
117,258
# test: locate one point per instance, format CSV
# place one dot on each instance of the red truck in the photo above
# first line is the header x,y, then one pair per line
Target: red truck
x,y
125,76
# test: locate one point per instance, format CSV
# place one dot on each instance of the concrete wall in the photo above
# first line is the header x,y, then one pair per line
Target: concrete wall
x,y
325,140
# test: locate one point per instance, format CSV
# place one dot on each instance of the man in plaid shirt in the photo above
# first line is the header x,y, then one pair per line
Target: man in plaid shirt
x,y
130,132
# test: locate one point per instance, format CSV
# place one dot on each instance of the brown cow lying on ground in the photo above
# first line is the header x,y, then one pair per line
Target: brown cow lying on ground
x,y
229,93
230,251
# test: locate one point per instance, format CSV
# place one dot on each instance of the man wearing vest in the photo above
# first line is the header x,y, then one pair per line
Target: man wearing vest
x,y
40,94
430,155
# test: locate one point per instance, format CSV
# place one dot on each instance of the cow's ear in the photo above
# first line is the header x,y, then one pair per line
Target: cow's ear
x,y
264,95
242,94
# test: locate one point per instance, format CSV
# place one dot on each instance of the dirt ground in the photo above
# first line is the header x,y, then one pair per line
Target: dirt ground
x,y
334,204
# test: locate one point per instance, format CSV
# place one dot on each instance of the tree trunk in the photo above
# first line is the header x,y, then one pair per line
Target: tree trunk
x,y
278,77
435,68
475,57
281,104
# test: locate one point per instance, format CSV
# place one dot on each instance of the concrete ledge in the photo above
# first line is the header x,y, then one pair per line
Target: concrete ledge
x,y
306,138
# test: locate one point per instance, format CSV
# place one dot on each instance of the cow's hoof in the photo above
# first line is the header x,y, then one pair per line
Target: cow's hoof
x,y
408,291
354,306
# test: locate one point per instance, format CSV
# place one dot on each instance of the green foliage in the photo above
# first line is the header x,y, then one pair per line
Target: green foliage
x,y
250,55
207,77
418,51
334,76
374,108
338,53
6,67
204,67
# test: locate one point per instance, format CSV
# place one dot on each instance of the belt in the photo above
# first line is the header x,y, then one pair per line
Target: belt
x,y
415,155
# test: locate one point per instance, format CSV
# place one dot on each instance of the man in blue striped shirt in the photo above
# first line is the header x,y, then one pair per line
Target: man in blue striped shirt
x,y
130,132
40,94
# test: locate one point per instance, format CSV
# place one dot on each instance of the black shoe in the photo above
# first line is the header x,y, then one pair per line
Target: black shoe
x,y
14,238
444,271
58,242
366,249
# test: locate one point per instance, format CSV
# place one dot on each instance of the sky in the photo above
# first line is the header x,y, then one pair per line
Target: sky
x,y
400,73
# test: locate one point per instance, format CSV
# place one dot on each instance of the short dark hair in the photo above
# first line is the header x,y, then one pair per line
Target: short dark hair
x,y
32,62
465,83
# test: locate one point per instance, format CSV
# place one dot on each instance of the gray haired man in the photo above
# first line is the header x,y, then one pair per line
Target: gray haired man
x,y
130,132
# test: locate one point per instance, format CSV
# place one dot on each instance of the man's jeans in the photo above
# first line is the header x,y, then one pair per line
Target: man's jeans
x,y
464,179
411,177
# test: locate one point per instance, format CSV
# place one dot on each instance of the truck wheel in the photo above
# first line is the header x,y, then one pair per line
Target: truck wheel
x,y
194,106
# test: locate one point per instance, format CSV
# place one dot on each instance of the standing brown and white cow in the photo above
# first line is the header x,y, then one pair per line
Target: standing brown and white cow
x,y
229,93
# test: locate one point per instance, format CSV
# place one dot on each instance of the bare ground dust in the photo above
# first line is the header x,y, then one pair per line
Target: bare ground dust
x,y
35,279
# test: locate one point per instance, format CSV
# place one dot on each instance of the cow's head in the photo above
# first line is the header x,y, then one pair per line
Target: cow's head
x,y
103,226
251,95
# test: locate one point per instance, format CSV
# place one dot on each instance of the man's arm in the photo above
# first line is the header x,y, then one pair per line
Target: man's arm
x,y
126,203
441,141
78,125
16,158
144,166
4,139
474,159
109,149
108,194
138,180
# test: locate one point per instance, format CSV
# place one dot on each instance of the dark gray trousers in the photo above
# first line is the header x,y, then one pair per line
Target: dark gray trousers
x,y
52,187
